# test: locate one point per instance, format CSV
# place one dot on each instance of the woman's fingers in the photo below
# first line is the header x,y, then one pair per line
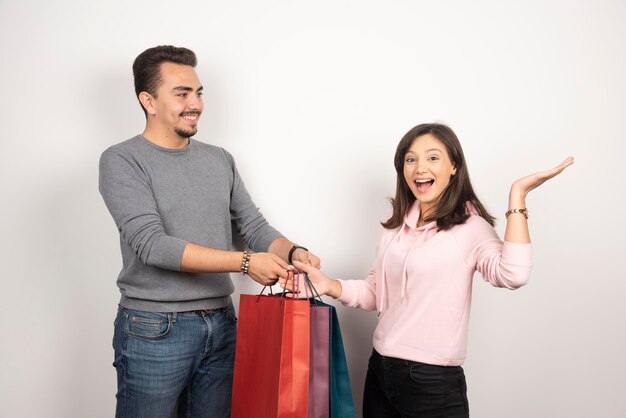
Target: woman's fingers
x,y
532,181
307,268
558,169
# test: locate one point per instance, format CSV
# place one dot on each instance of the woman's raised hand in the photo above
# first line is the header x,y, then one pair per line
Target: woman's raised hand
x,y
532,181
516,225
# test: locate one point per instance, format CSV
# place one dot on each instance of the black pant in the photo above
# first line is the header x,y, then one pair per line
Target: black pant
x,y
396,388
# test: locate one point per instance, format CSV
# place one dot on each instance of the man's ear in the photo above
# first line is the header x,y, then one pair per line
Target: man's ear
x,y
147,101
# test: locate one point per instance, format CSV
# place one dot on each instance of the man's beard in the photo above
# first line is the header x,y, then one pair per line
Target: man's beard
x,y
186,133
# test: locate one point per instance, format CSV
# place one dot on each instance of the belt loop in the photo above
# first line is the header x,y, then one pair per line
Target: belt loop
x,y
173,316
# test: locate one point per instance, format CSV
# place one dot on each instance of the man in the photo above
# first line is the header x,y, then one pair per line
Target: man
x,y
174,200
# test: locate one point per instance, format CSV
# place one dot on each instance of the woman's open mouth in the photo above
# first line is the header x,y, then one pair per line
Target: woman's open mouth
x,y
424,185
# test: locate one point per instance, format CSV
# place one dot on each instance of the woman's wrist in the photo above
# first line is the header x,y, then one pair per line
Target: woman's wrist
x,y
334,288
521,211
517,198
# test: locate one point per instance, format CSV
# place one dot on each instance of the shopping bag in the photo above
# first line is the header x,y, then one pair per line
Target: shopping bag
x,y
341,402
271,375
319,366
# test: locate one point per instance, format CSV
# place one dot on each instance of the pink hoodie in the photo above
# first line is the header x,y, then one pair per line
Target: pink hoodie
x,y
421,284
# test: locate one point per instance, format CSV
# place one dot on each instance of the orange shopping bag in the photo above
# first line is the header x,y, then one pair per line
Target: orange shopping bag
x,y
271,377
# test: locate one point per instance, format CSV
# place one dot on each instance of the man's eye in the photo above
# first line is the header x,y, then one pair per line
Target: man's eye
x,y
182,95
200,93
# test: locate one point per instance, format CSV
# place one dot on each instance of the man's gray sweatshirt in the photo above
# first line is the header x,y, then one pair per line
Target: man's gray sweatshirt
x,y
161,199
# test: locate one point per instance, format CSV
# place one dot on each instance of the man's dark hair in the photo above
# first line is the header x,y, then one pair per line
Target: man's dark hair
x,y
147,67
452,205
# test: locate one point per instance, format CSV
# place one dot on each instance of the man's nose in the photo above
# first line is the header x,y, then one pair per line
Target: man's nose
x,y
195,102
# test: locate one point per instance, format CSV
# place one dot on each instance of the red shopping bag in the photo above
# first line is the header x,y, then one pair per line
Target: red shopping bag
x,y
271,377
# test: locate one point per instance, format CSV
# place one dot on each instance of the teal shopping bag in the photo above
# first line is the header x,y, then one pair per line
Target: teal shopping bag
x,y
341,403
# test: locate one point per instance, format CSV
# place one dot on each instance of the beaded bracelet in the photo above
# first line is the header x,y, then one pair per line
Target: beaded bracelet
x,y
523,211
245,262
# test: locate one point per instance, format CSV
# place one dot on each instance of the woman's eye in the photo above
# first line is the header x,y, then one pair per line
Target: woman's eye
x,y
433,158
409,160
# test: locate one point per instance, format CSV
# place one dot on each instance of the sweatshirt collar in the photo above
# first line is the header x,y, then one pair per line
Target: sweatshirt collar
x,y
413,214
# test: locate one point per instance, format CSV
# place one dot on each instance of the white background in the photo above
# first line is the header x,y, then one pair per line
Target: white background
x,y
312,98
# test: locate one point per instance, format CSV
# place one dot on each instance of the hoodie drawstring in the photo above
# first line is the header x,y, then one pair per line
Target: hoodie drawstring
x,y
383,294
427,232
419,241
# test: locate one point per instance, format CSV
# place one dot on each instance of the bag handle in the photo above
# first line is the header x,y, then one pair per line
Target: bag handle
x,y
308,284
263,290
282,295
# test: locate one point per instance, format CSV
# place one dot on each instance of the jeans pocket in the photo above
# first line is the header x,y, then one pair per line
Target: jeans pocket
x,y
147,325
230,312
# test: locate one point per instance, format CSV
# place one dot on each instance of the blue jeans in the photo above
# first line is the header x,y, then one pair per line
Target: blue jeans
x,y
397,388
174,362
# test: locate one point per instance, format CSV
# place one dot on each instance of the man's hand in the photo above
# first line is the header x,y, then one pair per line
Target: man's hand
x,y
267,268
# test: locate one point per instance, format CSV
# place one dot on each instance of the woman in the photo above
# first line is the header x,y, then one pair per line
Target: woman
x,y
438,235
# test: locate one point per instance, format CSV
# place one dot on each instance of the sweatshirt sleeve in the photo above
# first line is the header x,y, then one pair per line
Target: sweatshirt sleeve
x,y
246,216
503,264
360,293
126,191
